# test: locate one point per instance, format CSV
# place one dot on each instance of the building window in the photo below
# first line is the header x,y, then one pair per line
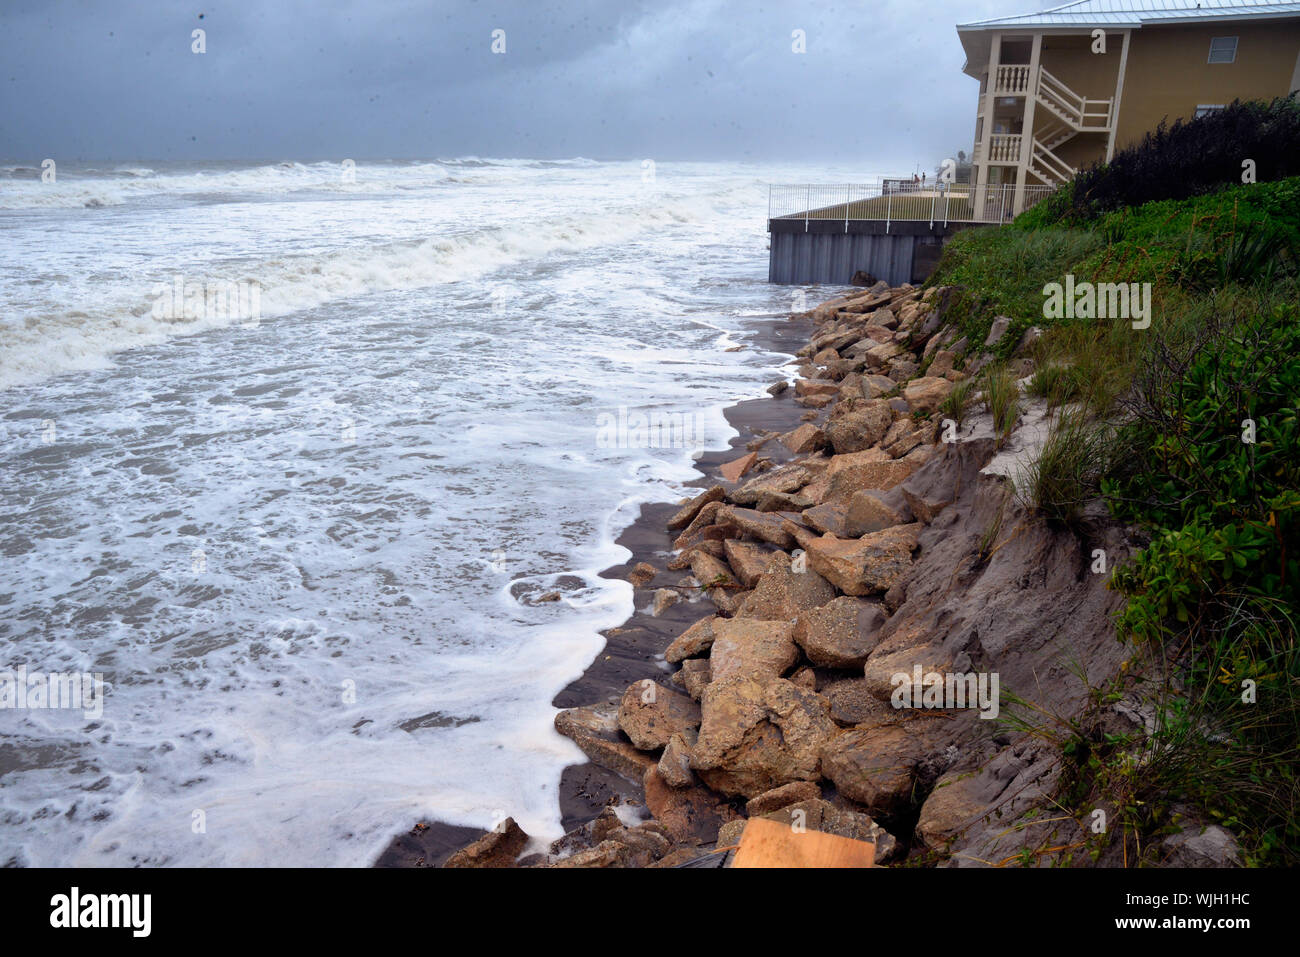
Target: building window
x,y
1223,50
1205,109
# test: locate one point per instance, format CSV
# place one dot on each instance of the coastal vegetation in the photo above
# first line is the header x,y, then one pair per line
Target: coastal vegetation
x,y
1187,430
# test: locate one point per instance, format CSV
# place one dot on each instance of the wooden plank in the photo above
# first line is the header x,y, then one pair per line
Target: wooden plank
x,y
767,843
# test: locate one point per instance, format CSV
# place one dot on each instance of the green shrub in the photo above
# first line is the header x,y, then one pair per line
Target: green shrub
x,y
1194,157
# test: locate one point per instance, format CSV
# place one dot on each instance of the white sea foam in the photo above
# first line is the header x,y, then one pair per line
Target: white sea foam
x,y
300,553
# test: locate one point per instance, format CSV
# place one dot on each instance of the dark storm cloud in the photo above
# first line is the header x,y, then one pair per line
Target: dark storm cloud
x,y
308,79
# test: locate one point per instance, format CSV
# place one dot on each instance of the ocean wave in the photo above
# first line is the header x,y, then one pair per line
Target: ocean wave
x,y
22,188
82,335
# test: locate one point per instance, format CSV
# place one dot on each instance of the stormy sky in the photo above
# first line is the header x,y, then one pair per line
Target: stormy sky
x,y
375,79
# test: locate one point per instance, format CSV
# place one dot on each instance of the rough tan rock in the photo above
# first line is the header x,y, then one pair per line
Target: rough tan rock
x,y
881,667
926,394
846,474
664,599
782,502
852,703
759,734
941,364
859,427
784,796
642,575
785,479
733,470
683,558
747,559
782,594
866,514
687,513
828,518
806,438
700,527
729,834
594,729
690,814
805,678
694,641
651,714
841,633
954,805
864,566
499,847
764,526
696,674
874,767
604,854
675,763
750,647
876,386
816,386
709,570
878,356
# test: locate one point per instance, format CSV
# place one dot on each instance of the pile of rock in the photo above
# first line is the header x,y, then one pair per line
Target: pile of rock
x,y
831,574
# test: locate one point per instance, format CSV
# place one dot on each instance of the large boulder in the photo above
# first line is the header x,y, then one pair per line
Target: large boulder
x,y
758,734
784,796
686,514
764,526
875,767
864,566
841,633
866,514
748,647
806,438
787,478
749,560
926,394
651,714
782,594
693,642
594,729
859,427
690,814
499,847
848,473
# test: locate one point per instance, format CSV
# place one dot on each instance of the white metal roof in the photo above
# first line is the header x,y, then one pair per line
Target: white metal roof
x,y
1134,13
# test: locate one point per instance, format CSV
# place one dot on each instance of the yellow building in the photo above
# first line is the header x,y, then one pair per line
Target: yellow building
x,y
1064,88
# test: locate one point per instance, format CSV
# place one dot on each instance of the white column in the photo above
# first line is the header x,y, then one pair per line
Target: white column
x,y
986,138
1027,125
1119,94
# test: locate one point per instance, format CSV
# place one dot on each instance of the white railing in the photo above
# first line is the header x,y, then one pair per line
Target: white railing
x,y
1004,148
1011,80
1051,163
1080,111
909,202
